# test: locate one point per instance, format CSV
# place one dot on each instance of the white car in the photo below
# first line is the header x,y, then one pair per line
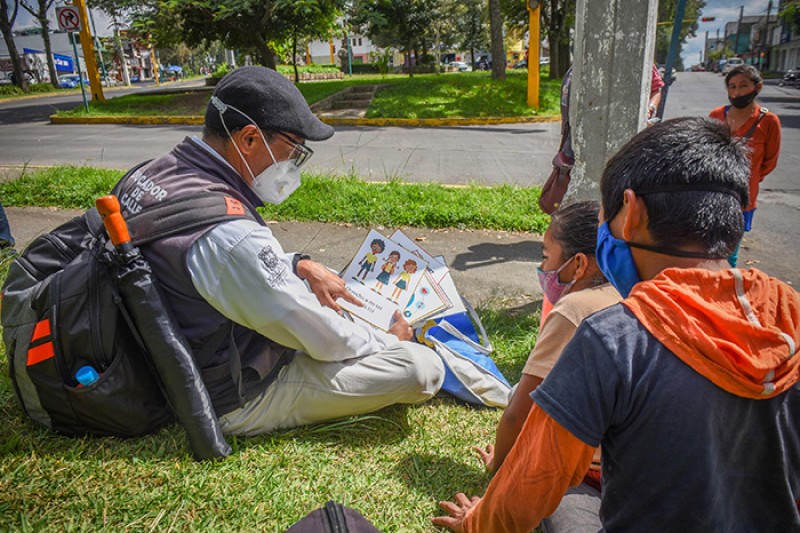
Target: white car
x,y
732,62
460,66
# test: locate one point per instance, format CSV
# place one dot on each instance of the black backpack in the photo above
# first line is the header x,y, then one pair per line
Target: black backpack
x,y
333,518
64,308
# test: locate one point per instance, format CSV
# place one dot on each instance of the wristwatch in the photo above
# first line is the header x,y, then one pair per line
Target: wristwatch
x,y
296,259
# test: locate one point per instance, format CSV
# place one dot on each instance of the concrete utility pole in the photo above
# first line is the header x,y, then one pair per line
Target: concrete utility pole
x,y
764,40
610,93
738,30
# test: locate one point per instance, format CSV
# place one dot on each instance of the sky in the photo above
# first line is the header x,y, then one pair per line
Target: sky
x,y
723,11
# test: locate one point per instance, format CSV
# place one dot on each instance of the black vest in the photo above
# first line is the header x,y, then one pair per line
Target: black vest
x,y
245,362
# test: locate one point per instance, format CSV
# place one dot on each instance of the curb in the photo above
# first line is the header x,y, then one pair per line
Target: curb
x,y
128,119
436,122
196,120
60,92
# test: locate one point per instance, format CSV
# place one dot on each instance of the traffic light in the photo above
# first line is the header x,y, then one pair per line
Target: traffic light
x,y
707,19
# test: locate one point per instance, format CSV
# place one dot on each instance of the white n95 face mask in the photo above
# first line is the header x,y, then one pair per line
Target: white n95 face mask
x,y
279,180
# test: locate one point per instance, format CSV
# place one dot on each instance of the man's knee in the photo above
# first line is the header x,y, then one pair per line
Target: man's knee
x,y
424,367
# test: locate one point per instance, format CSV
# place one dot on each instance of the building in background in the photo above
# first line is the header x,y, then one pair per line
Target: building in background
x,y
785,52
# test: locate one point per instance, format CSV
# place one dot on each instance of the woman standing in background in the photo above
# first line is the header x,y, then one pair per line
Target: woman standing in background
x,y
754,123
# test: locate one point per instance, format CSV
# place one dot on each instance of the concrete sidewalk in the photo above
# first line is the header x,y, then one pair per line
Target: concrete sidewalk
x,y
487,266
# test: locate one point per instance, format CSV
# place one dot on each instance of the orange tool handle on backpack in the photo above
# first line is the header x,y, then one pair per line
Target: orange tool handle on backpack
x,y
117,229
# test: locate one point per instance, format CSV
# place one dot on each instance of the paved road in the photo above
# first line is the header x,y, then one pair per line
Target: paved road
x,y
499,154
516,154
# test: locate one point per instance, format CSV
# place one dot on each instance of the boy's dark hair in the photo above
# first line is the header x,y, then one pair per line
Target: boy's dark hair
x,y
574,226
379,242
748,70
692,175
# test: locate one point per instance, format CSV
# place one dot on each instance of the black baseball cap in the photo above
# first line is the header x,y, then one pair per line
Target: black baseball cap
x,y
267,97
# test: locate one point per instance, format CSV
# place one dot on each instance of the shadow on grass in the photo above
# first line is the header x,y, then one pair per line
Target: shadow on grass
x,y
22,436
441,477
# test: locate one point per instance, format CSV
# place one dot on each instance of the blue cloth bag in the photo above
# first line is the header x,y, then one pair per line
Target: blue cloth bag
x,y
470,373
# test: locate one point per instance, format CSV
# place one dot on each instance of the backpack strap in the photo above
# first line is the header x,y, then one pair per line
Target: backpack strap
x,y
752,129
175,216
181,214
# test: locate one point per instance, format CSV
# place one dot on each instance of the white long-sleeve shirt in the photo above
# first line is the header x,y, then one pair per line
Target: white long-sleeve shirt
x,y
242,271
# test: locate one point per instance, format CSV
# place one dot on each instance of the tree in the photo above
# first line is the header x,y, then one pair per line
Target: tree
x,y
251,26
306,18
558,18
6,23
666,18
471,25
402,24
790,13
498,50
40,13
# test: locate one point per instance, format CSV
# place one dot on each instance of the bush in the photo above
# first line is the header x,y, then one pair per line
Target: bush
x,y
33,88
313,68
363,68
419,69
221,70
10,90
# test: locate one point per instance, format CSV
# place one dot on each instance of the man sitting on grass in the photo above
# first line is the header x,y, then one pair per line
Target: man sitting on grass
x,y
287,358
689,384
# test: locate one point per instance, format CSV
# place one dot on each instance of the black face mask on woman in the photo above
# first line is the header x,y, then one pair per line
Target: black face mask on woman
x,y
744,100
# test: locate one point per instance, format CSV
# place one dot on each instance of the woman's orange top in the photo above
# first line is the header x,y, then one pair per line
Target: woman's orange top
x,y
765,144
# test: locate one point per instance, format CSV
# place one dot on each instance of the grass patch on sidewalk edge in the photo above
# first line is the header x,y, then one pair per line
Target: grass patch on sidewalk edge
x,y
321,198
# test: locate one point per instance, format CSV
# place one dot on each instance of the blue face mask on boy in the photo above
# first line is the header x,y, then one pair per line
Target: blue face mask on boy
x,y
616,261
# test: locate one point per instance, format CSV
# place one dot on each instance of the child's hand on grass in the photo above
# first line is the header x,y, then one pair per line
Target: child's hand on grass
x,y
486,455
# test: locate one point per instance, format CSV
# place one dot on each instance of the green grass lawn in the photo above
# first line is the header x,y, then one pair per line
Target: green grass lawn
x,y
393,465
322,199
462,94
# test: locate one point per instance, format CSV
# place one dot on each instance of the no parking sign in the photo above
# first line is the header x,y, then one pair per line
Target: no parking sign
x,y
69,18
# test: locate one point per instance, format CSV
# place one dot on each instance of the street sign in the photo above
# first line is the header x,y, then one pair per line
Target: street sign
x,y
69,18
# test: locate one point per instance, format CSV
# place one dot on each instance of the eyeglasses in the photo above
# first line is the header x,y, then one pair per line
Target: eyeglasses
x,y
300,152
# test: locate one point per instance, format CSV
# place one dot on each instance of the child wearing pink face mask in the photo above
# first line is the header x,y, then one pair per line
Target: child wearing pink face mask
x,y
573,283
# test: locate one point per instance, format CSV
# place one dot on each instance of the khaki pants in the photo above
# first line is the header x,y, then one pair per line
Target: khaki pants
x,y
309,391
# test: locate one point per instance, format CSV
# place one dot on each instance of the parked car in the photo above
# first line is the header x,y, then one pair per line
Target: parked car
x,y
730,63
460,66
70,81
791,78
108,81
520,64
544,60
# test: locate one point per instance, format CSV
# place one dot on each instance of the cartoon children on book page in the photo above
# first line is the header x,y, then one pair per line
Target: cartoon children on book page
x,y
387,270
367,263
402,279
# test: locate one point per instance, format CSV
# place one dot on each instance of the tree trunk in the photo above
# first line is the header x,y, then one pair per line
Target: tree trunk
x,y
498,50
6,23
48,47
558,38
294,56
265,54
563,54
